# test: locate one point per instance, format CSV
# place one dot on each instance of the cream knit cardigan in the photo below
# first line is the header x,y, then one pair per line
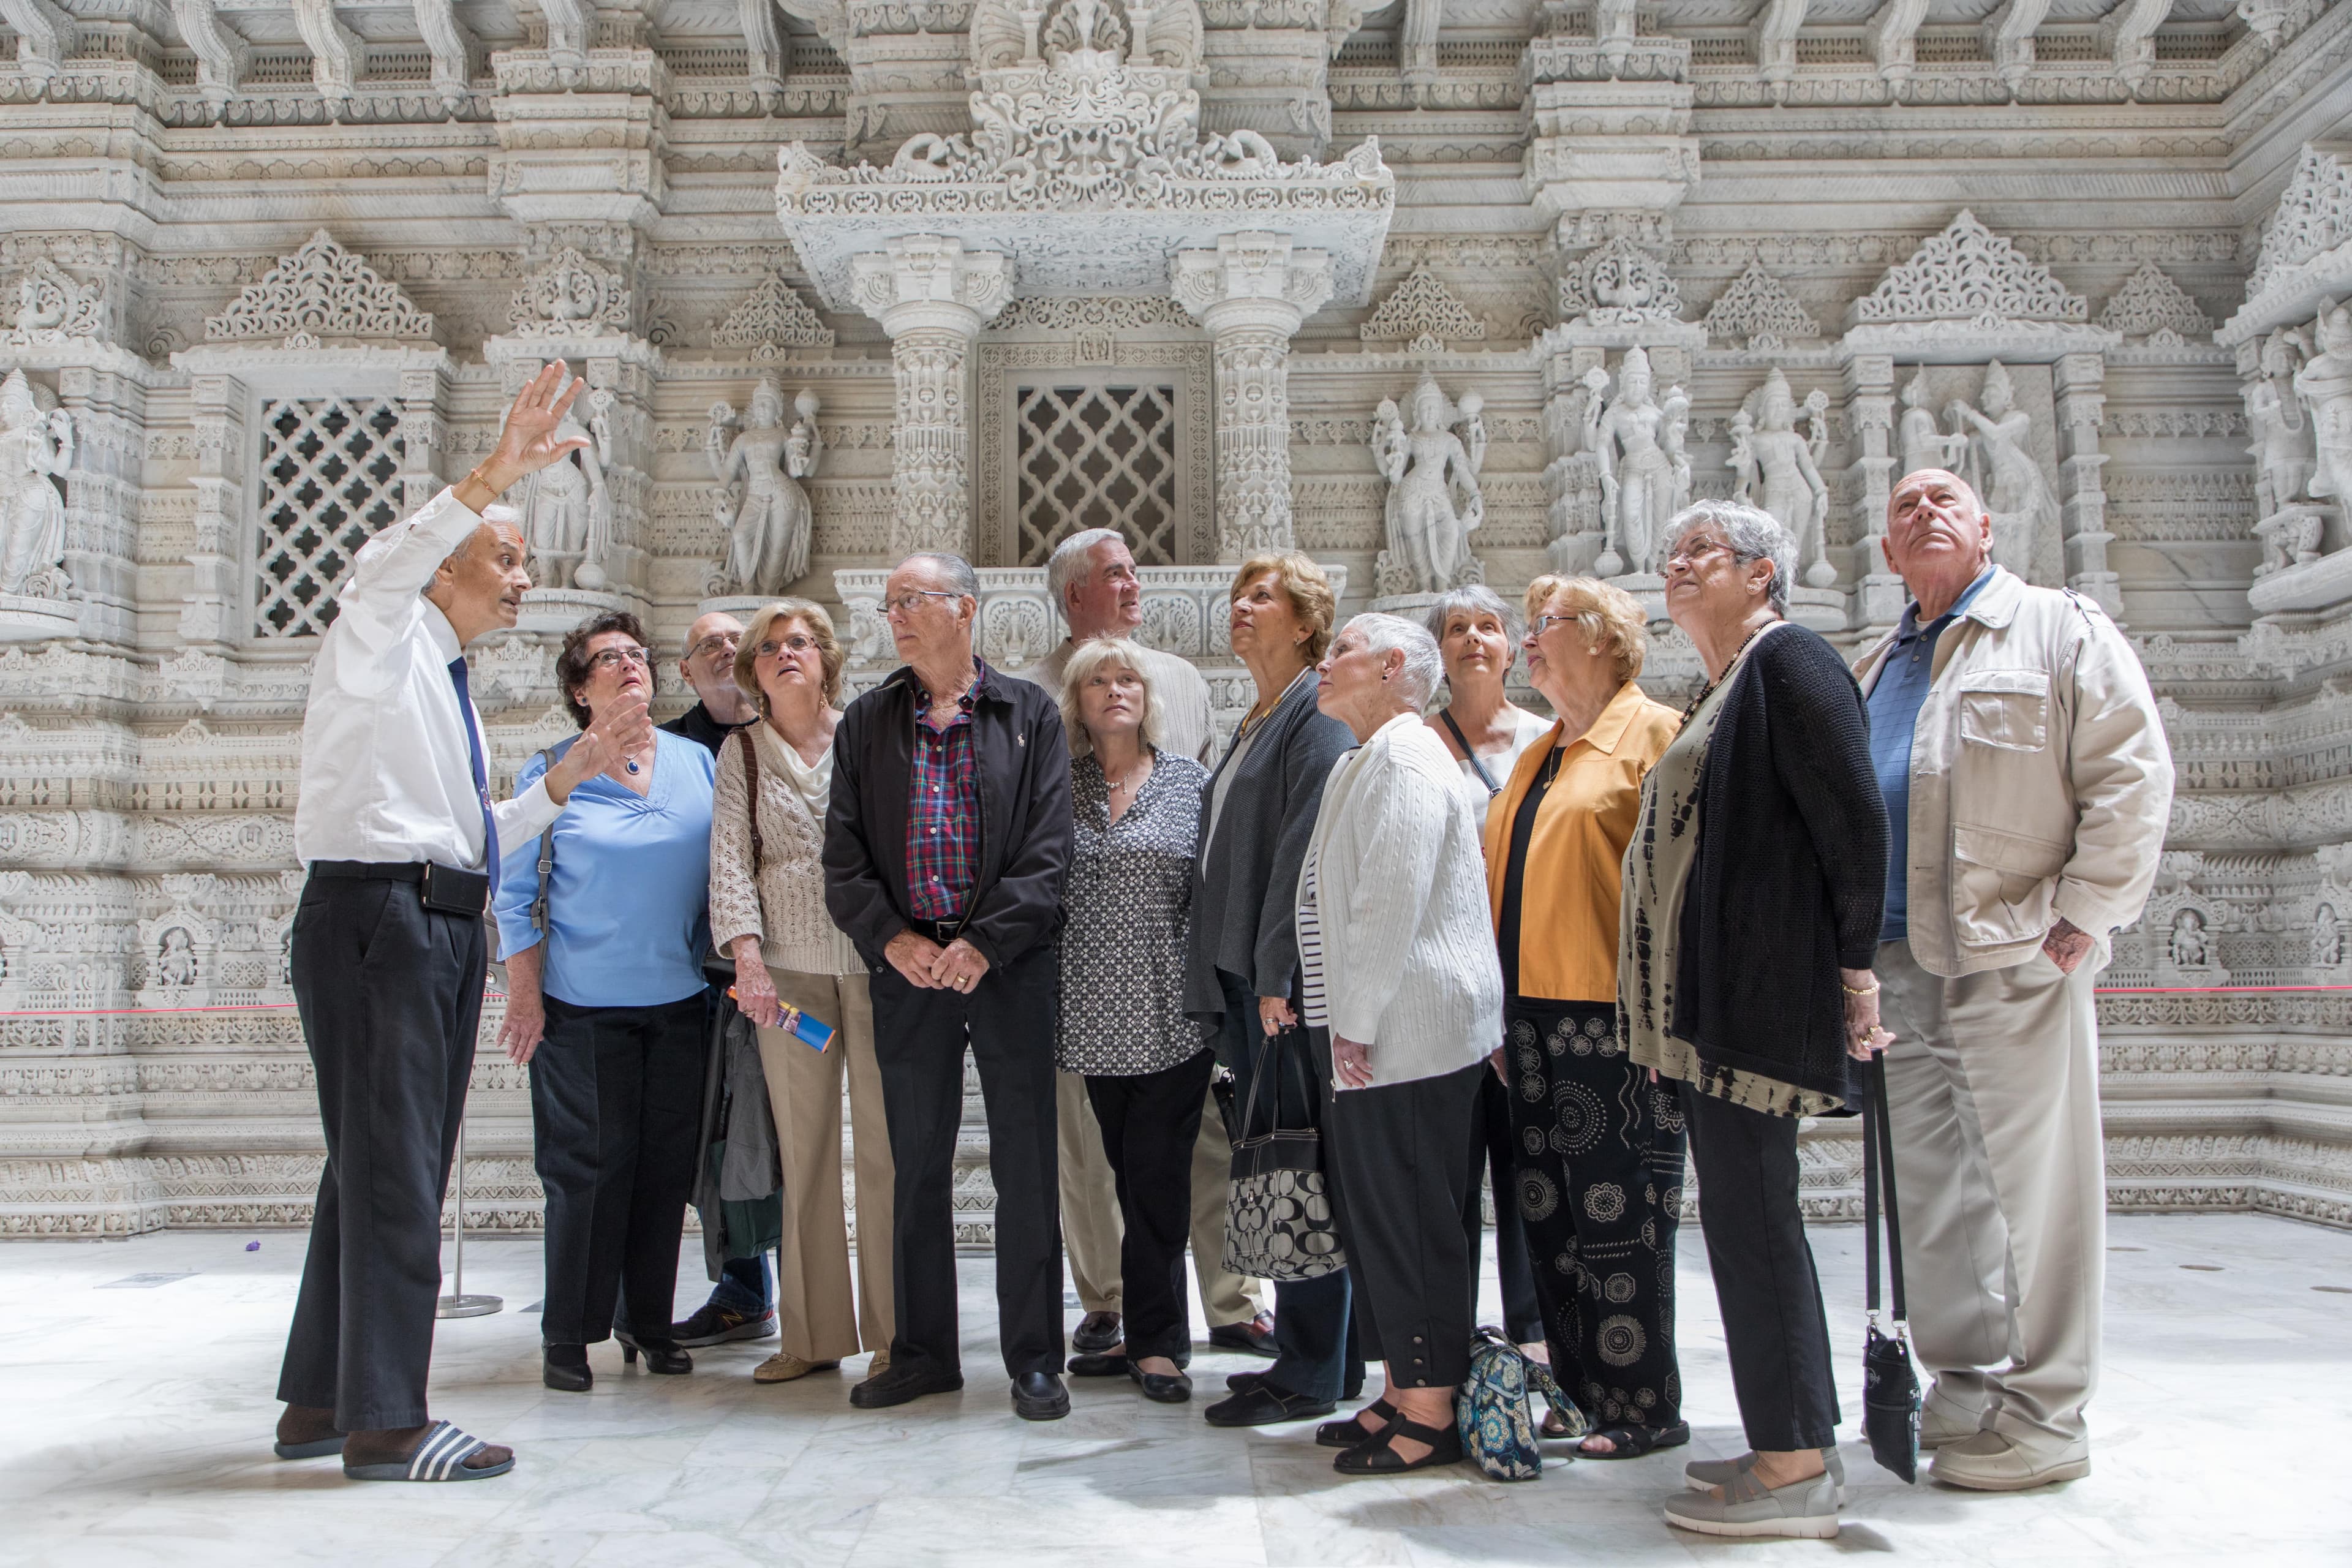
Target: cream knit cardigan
x,y
1409,964
786,910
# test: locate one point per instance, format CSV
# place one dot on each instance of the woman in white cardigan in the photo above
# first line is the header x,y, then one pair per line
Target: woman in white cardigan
x,y
767,909
1404,1000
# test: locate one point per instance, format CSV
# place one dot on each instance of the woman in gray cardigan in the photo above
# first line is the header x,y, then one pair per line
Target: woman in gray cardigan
x,y
1241,976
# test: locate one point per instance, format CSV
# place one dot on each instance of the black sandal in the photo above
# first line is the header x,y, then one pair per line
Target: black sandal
x,y
1377,1456
1633,1442
1349,1433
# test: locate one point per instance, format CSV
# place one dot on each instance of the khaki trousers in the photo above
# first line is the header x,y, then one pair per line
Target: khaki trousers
x,y
1993,1092
813,1311
1092,1229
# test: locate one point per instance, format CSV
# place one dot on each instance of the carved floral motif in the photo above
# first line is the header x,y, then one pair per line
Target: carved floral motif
x,y
2151,308
1758,313
320,294
773,319
1422,312
570,297
1968,273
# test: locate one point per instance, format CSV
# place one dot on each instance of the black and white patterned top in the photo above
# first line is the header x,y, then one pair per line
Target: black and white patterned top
x,y
1128,903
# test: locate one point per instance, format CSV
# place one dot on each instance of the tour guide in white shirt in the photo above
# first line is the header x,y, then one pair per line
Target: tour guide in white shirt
x,y
396,824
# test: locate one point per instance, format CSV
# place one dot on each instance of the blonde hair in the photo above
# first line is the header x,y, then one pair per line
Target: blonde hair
x,y
1089,659
1609,616
829,651
1309,590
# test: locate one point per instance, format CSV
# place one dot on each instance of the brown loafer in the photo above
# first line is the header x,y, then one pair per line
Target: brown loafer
x,y
784,1367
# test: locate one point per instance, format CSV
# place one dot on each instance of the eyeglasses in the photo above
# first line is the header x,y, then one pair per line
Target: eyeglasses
x,y
799,642
1689,553
613,657
1543,623
904,604
716,642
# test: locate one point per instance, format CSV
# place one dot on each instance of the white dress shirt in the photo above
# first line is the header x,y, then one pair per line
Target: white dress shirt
x,y
386,775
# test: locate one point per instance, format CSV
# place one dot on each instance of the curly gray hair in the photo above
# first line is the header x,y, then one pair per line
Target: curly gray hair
x,y
1424,666
1754,535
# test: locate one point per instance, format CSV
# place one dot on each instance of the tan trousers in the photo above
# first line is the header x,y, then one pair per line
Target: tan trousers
x,y
1092,1229
1993,1092
813,1310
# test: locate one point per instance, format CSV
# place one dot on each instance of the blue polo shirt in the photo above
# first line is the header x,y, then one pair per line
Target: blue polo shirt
x,y
1903,678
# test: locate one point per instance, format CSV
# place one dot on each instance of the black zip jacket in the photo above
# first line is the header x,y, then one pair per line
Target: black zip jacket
x,y
1018,743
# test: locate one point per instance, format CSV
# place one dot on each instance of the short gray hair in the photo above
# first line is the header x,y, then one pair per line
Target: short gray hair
x,y
1069,562
961,577
1755,535
1424,666
1475,599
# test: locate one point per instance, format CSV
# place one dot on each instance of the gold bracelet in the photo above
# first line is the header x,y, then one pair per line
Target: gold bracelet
x,y
1852,992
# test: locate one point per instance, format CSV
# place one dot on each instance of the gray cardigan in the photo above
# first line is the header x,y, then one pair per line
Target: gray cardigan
x,y
1246,884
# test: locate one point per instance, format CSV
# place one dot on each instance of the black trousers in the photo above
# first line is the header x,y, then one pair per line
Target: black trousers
x,y
1491,1146
390,996
1315,1353
1764,1278
615,1116
1398,1149
1599,1187
1149,1124
919,1037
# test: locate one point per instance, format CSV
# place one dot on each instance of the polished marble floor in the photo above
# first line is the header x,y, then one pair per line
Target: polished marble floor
x,y
136,1392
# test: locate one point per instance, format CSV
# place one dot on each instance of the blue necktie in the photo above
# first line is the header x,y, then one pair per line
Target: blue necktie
x,y
481,775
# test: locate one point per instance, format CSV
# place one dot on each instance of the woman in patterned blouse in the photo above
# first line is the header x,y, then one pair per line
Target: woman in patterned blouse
x,y
1122,1024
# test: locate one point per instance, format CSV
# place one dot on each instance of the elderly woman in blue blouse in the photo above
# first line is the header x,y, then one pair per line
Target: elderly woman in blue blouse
x,y
605,1005
1127,906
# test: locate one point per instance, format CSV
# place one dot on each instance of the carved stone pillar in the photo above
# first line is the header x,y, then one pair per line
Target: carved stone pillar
x,y
209,614
2081,403
108,409
1870,479
932,296
1251,293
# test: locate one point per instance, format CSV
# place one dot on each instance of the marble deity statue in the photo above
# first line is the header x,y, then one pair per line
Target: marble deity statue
x,y
2282,447
764,506
34,445
2189,947
1772,457
2326,939
1922,443
567,508
1433,498
175,959
2001,467
2326,387
1643,484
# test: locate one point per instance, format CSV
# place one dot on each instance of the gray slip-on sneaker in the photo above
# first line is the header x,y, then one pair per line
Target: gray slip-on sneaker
x,y
1701,1474
1806,1509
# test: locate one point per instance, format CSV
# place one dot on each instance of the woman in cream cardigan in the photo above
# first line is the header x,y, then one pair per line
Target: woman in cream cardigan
x,y
1403,1000
767,908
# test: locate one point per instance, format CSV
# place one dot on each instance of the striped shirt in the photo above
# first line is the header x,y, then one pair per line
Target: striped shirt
x,y
942,813
1311,1007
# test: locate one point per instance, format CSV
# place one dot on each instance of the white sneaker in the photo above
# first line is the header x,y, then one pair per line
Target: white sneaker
x,y
1936,1429
1807,1509
1989,1462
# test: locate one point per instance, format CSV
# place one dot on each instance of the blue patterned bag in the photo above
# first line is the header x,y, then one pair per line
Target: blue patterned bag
x,y
1492,1408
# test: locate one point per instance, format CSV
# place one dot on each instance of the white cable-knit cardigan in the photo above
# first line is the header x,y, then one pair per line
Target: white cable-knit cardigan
x,y
1409,964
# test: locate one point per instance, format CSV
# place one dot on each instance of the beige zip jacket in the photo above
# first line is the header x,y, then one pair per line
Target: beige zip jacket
x,y
2040,780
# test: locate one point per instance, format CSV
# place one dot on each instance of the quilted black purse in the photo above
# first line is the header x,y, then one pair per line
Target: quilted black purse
x,y
1890,1385
1278,1221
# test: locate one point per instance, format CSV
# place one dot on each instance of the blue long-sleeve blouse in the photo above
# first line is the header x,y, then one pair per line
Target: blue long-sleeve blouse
x,y
625,902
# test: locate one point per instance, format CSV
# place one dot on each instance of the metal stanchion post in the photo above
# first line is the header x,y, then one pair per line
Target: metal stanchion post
x,y
457,1304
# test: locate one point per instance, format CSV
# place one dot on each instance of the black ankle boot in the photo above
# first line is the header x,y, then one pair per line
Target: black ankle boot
x,y
565,1368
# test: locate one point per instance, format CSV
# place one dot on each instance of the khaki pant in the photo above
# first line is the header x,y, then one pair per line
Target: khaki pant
x,y
1993,1092
813,1310
1091,1228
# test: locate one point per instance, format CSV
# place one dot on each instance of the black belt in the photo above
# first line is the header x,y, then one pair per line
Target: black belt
x,y
941,931
371,871
446,888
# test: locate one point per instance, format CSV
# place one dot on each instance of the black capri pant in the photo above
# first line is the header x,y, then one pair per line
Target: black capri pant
x,y
1150,1122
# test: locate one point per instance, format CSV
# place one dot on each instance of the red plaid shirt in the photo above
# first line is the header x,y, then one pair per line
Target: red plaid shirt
x,y
942,813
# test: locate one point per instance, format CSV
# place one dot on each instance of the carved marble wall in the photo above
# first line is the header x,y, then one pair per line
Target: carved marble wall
x,y
268,273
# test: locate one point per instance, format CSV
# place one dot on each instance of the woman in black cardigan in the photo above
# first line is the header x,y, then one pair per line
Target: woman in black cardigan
x,y
1749,922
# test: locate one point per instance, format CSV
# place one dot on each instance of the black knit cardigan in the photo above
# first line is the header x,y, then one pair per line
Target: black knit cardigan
x,y
1789,881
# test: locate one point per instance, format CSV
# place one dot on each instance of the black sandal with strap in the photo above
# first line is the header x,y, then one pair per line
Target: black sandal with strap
x,y
1377,1456
1349,1433
1633,1442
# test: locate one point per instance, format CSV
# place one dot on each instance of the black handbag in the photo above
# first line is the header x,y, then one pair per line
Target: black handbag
x,y
1890,1384
1278,1221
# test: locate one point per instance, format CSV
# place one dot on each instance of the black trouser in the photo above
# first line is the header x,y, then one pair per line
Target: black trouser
x,y
1600,1162
1491,1158
919,1036
1314,1332
391,996
1764,1278
1149,1124
1398,1150
615,1116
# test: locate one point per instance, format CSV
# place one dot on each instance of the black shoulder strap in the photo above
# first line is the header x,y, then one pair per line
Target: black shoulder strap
x,y
752,805
1462,741
1877,1169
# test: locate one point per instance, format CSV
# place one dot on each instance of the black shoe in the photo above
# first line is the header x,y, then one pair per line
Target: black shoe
x,y
565,1368
713,1325
1349,1433
1160,1387
1263,1403
899,1385
1254,1337
1376,1456
1095,1333
1242,1382
1099,1366
1040,1397
662,1357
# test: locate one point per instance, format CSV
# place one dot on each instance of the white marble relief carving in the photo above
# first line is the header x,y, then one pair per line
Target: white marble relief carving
x,y
1758,313
2150,308
1424,314
1967,283
36,448
764,508
771,319
1646,477
2283,450
53,307
2000,464
2325,385
1778,468
1433,501
1923,443
571,296
2313,218
1620,284
321,295
2326,938
567,506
